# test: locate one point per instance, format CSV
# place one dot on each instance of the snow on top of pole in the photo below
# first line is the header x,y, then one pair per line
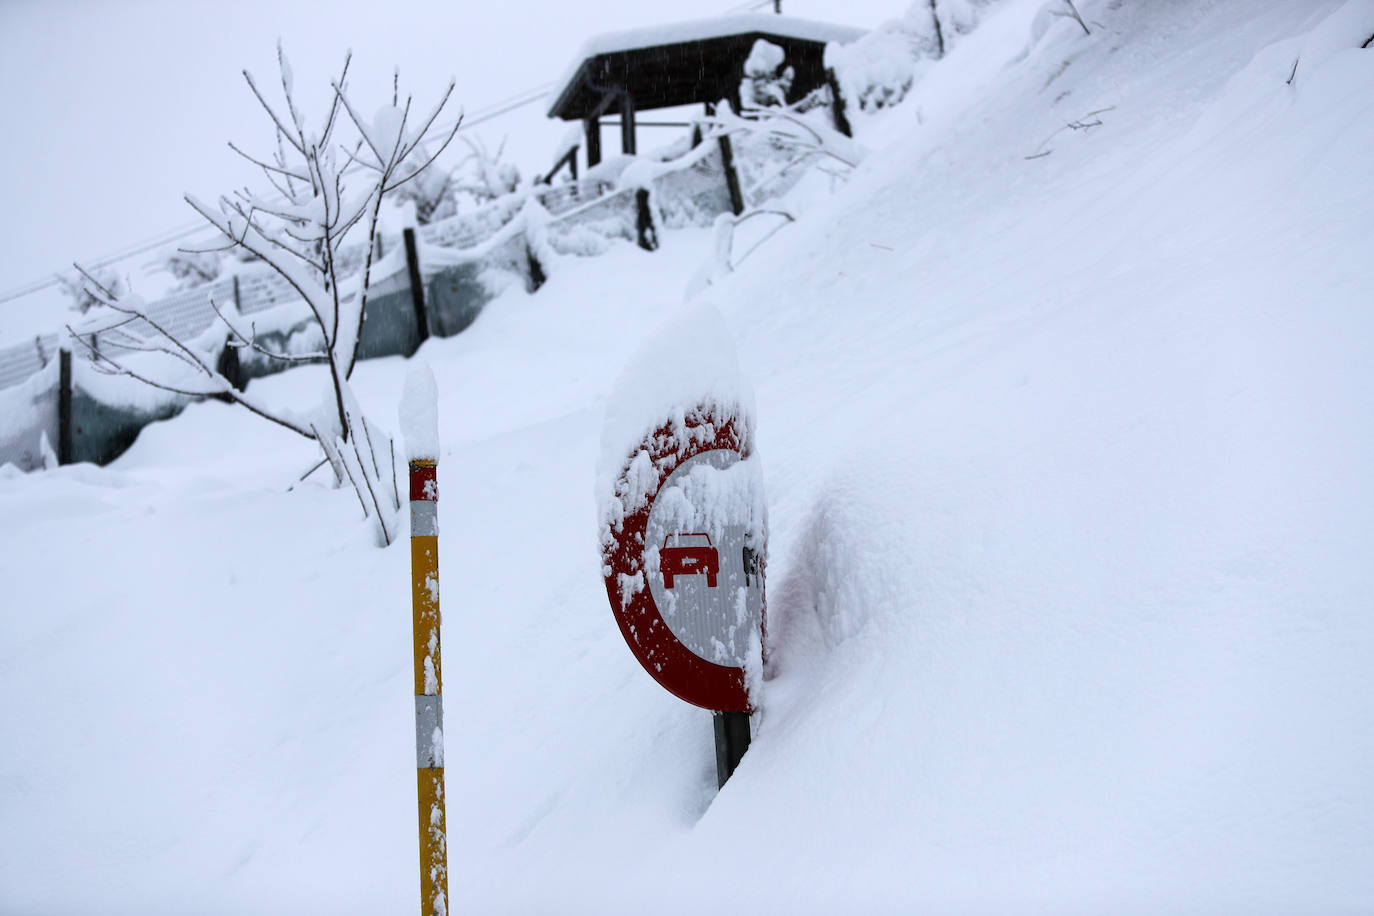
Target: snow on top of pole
x,y
419,413
689,363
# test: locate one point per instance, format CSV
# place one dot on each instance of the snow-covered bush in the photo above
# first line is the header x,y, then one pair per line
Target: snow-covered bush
x,y
483,175
434,194
767,78
75,285
192,268
880,68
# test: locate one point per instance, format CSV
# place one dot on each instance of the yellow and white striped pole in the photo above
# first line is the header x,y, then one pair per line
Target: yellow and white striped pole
x,y
419,410
429,700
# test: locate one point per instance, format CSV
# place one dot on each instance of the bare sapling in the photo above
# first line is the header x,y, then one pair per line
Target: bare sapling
x,y
317,229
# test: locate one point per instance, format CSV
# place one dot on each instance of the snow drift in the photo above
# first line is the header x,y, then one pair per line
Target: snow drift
x,y
1067,461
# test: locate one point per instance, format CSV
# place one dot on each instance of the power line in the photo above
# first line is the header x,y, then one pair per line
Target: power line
x,y
490,112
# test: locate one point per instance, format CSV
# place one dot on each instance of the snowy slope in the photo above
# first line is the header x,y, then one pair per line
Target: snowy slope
x,y
1067,465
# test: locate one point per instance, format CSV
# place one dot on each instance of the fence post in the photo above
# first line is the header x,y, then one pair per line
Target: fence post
x,y
228,366
537,275
228,363
64,406
417,285
644,221
727,156
592,126
837,103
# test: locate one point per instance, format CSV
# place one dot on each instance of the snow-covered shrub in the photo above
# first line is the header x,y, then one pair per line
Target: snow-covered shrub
x,y
79,290
485,176
434,194
28,415
767,79
192,268
693,192
880,68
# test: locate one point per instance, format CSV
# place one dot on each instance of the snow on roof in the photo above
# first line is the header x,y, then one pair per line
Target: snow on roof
x,y
699,30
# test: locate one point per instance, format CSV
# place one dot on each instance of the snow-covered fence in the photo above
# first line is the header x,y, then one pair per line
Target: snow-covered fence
x,y
696,192
29,418
463,262
21,361
105,413
261,289
590,229
184,315
562,198
467,230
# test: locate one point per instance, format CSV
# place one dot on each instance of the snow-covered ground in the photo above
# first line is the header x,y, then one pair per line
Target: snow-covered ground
x,y
1068,468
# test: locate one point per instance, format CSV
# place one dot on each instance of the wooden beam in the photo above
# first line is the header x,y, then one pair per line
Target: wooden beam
x,y
569,159
608,98
639,123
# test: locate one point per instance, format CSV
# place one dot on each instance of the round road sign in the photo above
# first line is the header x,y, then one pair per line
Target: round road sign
x,y
684,568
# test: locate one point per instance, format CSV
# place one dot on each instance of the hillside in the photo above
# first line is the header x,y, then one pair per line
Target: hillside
x,y
1067,462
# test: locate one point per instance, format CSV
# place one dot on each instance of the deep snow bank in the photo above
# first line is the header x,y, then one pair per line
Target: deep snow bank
x,y
1067,466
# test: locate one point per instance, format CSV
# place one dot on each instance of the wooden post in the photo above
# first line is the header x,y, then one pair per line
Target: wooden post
x,y
727,156
537,277
64,406
837,104
429,703
644,221
417,284
593,128
228,366
627,124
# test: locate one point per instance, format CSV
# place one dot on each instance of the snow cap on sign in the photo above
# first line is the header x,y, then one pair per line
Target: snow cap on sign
x,y
689,362
419,413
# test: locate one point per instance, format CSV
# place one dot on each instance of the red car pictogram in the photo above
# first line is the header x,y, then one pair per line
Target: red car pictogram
x,y
689,560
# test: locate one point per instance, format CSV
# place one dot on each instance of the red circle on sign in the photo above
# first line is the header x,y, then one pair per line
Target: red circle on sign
x,y
677,669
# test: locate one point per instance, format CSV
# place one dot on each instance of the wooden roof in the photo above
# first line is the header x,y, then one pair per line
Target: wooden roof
x,y
690,62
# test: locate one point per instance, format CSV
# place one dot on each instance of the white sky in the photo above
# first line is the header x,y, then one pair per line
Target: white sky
x,y
117,107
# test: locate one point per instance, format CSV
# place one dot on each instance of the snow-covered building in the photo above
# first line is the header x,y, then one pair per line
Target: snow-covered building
x,y
702,61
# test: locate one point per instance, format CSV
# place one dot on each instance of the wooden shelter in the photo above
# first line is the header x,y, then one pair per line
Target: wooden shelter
x,y
693,62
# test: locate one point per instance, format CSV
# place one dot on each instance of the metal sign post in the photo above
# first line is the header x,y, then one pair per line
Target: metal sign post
x,y
684,568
